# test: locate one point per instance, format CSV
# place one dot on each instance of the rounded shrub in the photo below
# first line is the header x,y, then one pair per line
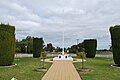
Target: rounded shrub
x,y
90,46
115,38
37,47
7,44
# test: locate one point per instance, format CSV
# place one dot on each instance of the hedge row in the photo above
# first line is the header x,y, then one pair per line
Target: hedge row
x,y
37,47
115,38
7,44
90,47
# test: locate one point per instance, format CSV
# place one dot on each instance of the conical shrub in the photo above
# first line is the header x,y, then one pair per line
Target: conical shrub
x,y
90,47
115,38
37,47
7,44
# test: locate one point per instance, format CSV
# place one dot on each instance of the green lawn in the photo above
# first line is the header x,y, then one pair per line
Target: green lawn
x,y
24,70
101,69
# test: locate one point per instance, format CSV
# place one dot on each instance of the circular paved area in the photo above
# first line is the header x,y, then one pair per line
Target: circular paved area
x,y
76,60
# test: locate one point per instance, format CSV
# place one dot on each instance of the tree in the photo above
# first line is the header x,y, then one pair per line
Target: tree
x,y
82,55
22,47
58,49
115,38
37,47
80,47
7,44
43,57
73,49
76,48
49,47
90,47
28,42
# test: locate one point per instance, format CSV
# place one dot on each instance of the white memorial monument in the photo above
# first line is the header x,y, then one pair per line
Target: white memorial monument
x,y
63,56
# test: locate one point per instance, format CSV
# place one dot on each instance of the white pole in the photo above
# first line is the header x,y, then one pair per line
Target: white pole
x,y
63,43
63,35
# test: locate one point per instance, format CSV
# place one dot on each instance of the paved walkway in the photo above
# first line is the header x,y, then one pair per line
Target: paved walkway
x,y
62,70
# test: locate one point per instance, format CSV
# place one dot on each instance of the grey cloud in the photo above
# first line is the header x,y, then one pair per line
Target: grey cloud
x,y
45,18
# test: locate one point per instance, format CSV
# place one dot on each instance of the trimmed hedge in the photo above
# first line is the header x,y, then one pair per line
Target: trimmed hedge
x,y
7,44
37,47
115,38
90,47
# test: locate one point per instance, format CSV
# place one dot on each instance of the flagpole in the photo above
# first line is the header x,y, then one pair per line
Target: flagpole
x,y
63,36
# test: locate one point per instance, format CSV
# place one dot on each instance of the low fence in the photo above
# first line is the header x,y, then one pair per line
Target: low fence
x,y
19,55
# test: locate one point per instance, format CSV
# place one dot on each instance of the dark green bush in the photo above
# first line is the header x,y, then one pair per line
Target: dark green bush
x,y
115,38
7,44
90,47
37,47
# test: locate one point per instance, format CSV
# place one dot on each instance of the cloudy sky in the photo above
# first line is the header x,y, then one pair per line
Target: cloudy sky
x,y
79,19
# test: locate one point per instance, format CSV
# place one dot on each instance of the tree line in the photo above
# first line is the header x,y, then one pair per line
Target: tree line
x,y
26,46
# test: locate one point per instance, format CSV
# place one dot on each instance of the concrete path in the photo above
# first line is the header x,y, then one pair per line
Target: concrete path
x,y
62,70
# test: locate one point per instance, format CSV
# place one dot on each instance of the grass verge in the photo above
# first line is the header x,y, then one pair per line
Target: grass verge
x,y
101,69
25,70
